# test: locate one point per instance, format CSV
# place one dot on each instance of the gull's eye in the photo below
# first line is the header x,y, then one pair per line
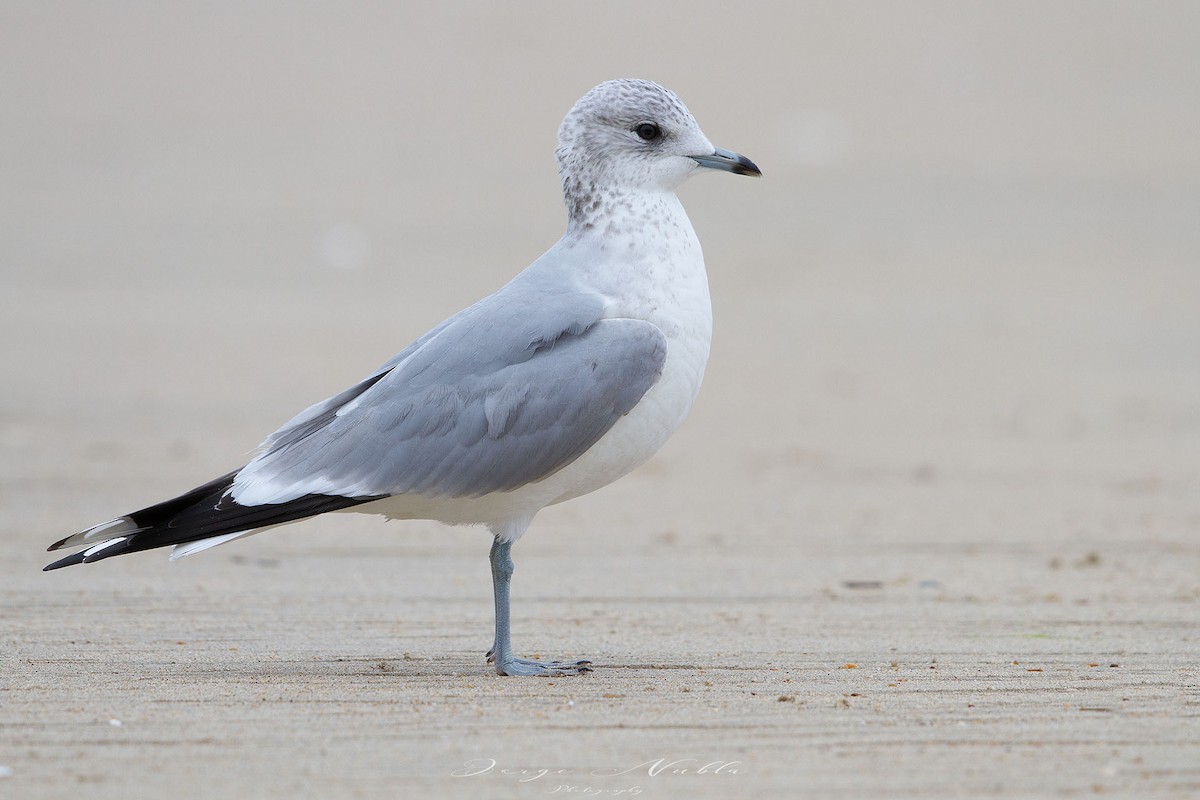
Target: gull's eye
x,y
648,131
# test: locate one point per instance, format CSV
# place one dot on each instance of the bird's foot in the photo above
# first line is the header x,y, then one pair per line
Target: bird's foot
x,y
546,669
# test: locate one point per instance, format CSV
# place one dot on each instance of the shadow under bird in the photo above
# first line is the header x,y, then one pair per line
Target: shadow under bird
x,y
568,377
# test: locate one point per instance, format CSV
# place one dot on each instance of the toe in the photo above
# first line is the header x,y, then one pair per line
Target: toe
x,y
547,669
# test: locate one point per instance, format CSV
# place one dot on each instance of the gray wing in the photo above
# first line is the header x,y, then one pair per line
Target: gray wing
x,y
505,393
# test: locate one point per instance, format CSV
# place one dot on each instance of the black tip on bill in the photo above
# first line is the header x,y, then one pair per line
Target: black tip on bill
x,y
729,161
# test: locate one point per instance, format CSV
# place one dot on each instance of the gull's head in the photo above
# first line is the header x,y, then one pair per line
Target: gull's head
x,y
634,135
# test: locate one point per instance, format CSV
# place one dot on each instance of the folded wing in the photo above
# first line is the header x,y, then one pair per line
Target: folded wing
x,y
503,394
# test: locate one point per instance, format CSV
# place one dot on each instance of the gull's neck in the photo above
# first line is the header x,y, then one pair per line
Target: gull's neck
x,y
617,212
643,256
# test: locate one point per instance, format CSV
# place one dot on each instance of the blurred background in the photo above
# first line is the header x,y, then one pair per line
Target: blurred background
x,y
974,252
952,409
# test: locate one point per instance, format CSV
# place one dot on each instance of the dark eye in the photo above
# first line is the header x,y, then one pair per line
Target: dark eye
x,y
648,131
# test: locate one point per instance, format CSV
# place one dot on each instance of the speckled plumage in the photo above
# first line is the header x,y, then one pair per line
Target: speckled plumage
x,y
599,163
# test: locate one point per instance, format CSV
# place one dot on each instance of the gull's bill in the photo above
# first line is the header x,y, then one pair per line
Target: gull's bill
x,y
728,161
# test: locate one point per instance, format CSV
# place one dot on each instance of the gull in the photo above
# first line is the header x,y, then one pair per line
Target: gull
x,y
565,379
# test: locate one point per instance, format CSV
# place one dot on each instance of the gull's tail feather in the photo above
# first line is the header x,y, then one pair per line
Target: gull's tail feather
x,y
206,512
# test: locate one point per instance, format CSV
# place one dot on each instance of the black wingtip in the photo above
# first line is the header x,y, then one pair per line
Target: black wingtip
x,y
202,513
71,560
113,547
57,544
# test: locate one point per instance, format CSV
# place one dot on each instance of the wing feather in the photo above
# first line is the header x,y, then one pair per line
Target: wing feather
x,y
505,393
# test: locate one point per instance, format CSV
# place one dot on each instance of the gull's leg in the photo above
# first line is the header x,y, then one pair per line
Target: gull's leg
x,y
501,653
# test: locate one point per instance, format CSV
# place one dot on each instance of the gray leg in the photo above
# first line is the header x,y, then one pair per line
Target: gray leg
x,y
501,653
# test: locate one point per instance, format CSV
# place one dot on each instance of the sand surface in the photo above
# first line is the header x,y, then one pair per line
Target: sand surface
x,y
932,530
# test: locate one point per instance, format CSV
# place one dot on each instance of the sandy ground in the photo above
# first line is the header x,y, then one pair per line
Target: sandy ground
x,y
933,529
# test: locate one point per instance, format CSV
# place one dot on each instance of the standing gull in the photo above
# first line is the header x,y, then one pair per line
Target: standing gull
x,y
568,377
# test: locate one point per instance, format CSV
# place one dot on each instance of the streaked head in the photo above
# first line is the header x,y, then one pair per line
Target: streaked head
x,y
636,135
